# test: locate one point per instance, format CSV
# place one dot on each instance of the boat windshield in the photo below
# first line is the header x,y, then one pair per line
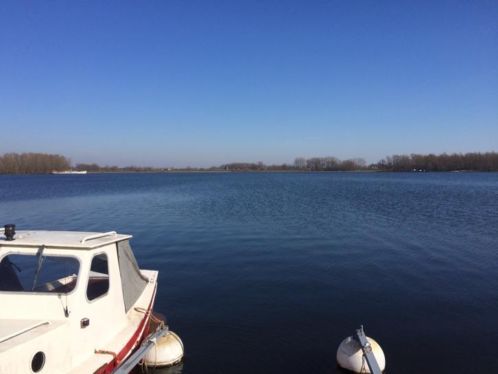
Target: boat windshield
x,y
38,273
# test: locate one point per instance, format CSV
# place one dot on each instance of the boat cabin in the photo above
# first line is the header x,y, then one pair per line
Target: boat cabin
x,y
70,301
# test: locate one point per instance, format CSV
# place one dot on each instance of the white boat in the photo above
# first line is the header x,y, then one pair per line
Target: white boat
x,y
73,302
70,172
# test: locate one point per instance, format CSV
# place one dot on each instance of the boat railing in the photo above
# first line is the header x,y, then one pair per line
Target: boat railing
x,y
97,236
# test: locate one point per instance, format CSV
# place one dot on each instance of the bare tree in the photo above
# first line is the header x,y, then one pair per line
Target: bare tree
x,y
444,162
31,163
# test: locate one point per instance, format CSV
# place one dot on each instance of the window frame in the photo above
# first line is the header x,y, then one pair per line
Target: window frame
x,y
44,293
90,301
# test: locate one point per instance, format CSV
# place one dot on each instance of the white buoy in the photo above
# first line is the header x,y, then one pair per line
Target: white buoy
x,y
350,355
167,351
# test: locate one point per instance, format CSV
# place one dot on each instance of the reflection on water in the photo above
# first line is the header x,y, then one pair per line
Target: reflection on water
x,y
270,272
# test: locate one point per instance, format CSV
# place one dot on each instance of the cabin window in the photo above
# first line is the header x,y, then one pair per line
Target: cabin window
x,y
98,282
38,273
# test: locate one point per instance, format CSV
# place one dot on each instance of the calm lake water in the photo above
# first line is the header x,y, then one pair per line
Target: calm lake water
x,y
267,273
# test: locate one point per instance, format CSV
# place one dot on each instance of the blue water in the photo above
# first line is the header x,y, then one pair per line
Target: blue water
x,y
267,273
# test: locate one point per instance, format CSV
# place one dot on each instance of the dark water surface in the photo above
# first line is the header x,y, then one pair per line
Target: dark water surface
x,y
267,273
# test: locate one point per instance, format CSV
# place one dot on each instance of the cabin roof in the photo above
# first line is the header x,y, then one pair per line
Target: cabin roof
x,y
62,239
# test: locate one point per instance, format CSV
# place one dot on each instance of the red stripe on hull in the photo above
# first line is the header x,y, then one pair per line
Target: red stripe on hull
x,y
137,338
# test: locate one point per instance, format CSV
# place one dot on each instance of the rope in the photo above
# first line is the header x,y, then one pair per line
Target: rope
x,y
161,324
151,315
363,361
104,352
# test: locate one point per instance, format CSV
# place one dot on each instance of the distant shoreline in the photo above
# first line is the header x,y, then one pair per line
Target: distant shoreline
x,y
254,172
42,163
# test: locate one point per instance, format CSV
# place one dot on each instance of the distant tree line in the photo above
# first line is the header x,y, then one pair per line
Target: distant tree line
x,y
248,166
32,163
301,164
444,162
329,164
95,168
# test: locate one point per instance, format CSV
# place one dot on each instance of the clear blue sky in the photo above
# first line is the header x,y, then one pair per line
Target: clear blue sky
x,y
176,83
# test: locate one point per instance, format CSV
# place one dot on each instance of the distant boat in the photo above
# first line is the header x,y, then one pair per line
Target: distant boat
x,y
70,172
